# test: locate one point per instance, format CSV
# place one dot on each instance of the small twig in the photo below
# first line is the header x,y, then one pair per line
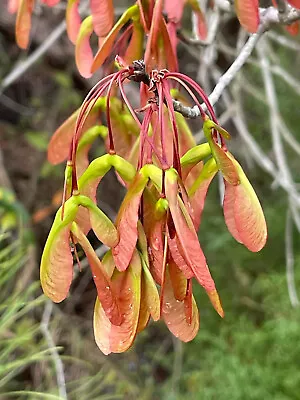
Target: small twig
x,y
20,69
290,261
284,41
59,368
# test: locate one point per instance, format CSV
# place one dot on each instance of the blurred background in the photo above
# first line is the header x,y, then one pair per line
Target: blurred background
x,y
48,351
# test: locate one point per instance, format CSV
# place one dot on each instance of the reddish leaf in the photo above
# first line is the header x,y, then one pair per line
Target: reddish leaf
x,y
151,293
134,50
225,164
59,146
172,32
117,339
83,52
174,9
168,50
178,255
144,315
188,302
106,294
200,19
173,312
295,3
103,16
127,223
73,20
13,6
199,189
293,29
243,213
23,22
228,207
248,14
50,3
188,238
156,249
178,281
105,49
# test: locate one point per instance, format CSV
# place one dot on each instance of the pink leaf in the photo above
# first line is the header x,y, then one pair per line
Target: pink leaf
x,y
174,10
248,14
156,249
173,312
73,20
225,164
105,291
127,223
13,6
117,339
134,50
199,190
178,280
178,255
243,213
23,23
59,146
144,314
228,207
295,3
103,16
188,239
200,19
50,3
106,46
83,52
151,293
